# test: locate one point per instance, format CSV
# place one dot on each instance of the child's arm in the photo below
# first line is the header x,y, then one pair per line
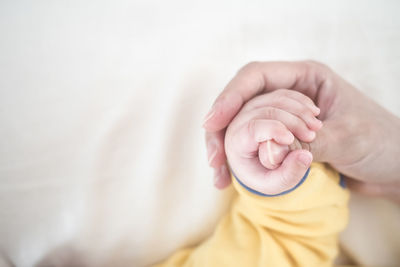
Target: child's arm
x,y
296,228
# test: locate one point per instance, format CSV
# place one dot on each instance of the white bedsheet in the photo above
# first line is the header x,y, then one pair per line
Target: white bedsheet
x,y
102,160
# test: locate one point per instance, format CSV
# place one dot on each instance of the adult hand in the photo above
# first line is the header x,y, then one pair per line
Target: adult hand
x,y
359,138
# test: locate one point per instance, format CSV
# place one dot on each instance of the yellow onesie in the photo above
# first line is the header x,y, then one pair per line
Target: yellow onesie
x,y
299,228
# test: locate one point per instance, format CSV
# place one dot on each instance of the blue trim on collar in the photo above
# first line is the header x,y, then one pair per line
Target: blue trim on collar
x,y
342,181
266,195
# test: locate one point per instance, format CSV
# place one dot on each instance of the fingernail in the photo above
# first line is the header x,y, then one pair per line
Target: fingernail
x,y
211,151
209,115
269,151
305,159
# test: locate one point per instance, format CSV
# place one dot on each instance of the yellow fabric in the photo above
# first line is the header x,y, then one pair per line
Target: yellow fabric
x,y
297,229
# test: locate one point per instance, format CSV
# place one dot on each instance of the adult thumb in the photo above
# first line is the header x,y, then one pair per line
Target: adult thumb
x,y
321,147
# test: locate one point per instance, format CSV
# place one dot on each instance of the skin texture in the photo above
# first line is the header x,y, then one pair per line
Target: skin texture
x,y
359,137
258,138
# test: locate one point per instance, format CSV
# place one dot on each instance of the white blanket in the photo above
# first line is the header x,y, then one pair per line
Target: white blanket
x,y
102,157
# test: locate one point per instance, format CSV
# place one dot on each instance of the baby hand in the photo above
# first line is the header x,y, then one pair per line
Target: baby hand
x,y
258,140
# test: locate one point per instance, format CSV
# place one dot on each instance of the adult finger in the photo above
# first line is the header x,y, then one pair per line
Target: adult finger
x,y
217,158
215,148
257,77
222,177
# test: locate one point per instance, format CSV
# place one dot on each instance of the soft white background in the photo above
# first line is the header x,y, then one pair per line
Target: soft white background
x,y
102,161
